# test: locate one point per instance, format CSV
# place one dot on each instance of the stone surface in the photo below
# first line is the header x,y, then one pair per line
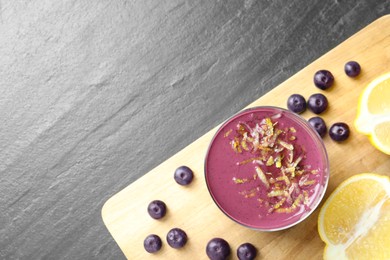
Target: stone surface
x,y
94,94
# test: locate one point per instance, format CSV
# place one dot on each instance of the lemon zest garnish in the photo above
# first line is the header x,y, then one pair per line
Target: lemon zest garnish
x,y
279,204
228,133
308,183
286,145
273,147
285,179
249,193
297,200
276,193
244,145
239,181
298,160
293,130
284,210
262,176
270,126
270,161
236,145
278,163
290,170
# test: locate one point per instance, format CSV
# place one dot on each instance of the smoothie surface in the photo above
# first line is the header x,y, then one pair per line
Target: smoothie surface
x,y
266,168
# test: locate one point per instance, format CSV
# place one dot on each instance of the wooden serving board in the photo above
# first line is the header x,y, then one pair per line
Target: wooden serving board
x,y
192,209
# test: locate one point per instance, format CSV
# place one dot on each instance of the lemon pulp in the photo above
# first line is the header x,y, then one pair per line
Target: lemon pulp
x,y
354,222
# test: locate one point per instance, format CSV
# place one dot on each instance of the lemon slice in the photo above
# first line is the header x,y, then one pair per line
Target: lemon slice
x,y
354,222
380,136
373,113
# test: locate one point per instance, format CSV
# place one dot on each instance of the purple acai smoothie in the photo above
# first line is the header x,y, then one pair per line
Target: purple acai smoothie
x,y
266,168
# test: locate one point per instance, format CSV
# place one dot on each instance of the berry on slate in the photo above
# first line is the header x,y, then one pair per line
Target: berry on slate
x,y
157,209
176,238
246,251
352,69
319,125
152,243
323,79
183,175
217,249
296,103
339,132
317,103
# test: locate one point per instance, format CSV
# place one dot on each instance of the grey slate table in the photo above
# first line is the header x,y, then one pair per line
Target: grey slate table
x,y
94,94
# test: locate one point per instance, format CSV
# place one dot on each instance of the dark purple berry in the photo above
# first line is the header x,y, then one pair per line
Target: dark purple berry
x,y
317,103
352,68
218,249
152,243
183,175
339,132
246,251
176,238
323,79
296,103
319,125
157,209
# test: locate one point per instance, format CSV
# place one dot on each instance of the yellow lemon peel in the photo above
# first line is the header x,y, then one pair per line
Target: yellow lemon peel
x,y
373,113
354,222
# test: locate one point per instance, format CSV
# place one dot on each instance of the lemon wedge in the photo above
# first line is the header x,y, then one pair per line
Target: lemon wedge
x,y
373,114
354,222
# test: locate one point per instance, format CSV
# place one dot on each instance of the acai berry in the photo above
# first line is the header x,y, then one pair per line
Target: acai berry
x,y
152,243
218,249
319,125
339,131
176,238
157,209
183,175
317,103
323,79
246,251
296,103
352,69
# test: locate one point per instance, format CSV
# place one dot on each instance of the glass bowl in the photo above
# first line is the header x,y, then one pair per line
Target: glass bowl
x,y
266,168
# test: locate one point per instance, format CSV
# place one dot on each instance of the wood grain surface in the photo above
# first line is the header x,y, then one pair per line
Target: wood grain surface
x,y
95,94
192,209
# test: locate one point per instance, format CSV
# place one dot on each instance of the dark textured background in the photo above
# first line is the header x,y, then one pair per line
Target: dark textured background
x,y
94,94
